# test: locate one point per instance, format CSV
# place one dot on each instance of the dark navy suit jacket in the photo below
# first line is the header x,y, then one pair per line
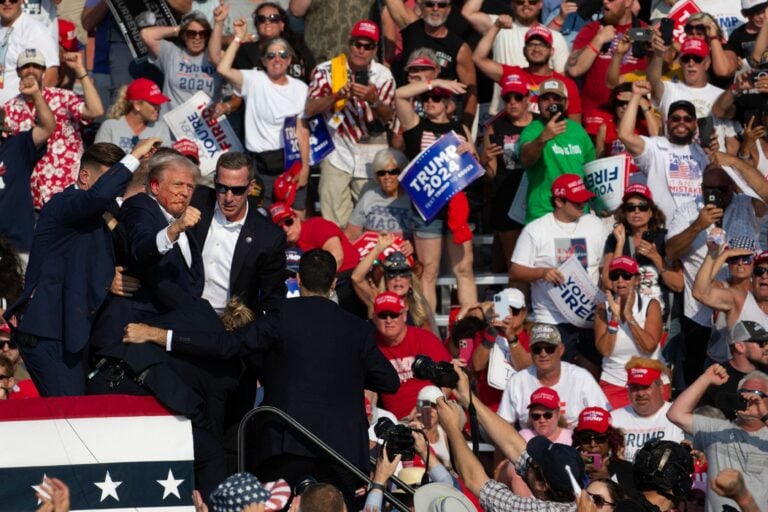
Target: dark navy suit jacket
x,y
71,263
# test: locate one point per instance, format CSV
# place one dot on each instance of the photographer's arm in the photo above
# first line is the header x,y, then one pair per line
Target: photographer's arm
x,y
467,465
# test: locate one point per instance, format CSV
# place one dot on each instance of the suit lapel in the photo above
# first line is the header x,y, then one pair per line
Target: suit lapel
x,y
245,241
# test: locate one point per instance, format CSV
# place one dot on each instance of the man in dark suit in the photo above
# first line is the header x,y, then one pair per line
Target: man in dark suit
x,y
70,270
318,360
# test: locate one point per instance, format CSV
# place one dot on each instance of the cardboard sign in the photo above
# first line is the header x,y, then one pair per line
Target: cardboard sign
x,y
577,297
680,13
133,15
194,120
607,178
437,174
500,369
320,142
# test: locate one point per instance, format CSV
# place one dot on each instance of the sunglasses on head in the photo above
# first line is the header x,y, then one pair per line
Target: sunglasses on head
x,y
288,222
599,501
588,438
747,259
759,271
223,189
543,347
10,344
440,5
616,274
677,118
536,416
272,18
387,314
633,207
196,34
515,96
387,172
695,29
273,55
685,59
363,46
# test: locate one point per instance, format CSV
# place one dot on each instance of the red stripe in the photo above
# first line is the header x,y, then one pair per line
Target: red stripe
x,y
95,406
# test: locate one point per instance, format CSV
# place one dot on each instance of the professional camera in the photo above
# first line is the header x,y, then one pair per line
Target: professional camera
x,y
440,374
397,438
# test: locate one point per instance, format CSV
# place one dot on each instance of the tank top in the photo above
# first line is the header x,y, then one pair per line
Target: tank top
x,y
446,48
421,136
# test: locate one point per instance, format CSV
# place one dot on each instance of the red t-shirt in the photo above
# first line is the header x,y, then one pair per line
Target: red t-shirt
x,y
24,389
315,232
574,96
594,92
417,341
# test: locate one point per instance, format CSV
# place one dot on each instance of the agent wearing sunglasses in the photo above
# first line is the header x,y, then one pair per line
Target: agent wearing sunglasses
x,y
544,417
737,443
601,446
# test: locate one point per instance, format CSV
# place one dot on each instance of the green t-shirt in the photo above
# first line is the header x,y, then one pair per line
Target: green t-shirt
x,y
565,154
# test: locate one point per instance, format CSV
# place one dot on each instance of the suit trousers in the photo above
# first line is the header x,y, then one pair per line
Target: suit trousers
x,y
54,371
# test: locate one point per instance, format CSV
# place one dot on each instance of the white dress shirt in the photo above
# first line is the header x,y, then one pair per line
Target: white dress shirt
x,y
218,252
164,243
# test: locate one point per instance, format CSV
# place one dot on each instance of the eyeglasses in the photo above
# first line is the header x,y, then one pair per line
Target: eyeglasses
x,y
543,347
435,98
599,501
761,394
747,259
536,44
391,274
223,189
633,207
388,172
685,59
524,2
616,274
387,314
288,222
271,18
369,47
515,96
440,5
588,438
8,343
686,119
536,416
759,271
195,34
282,54
695,29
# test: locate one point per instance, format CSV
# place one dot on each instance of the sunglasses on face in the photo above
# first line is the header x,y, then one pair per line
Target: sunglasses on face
x,y
369,47
8,343
615,275
388,172
760,271
695,29
237,191
287,222
515,96
528,2
196,34
392,274
536,416
588,438
435,98
9,1
621,103
633,207
761,394
440,5
685,119
282,54
543,347
387,314
271,18
599,501
685,59
744,260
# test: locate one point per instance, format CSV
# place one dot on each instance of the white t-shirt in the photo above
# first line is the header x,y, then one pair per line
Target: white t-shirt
x,y
702,98
267,105
638,430
577,389
547,242
672,172
739,220
508,49
25,32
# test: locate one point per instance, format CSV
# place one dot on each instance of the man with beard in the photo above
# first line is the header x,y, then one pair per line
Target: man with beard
x,y
594,47
538,51
511,45
429,30
673,164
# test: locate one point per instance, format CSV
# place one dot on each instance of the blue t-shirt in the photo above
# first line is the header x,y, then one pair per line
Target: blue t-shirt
x,y
18,157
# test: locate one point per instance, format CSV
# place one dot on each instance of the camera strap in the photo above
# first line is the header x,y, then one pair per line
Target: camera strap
x,y
474,427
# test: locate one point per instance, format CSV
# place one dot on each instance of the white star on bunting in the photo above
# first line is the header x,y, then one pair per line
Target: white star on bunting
x,y
170,485
108,487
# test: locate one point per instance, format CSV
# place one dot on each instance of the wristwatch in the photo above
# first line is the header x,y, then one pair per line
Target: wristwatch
x,y
515,341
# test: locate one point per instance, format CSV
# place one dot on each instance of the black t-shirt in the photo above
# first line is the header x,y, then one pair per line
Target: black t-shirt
x,y
712,392
414,136
446,48
509,172
741,42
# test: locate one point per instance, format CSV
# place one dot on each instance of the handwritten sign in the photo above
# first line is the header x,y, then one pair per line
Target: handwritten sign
x,y
437,174
320,142
194,119
577,297
680,13
607,179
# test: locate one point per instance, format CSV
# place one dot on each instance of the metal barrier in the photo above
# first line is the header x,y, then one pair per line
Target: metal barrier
x,y
319,443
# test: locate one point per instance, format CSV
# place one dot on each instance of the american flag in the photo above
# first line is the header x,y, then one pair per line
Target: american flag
x,y
680,170
113,451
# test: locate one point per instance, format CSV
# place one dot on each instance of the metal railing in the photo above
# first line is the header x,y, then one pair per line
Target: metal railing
x,y
319,443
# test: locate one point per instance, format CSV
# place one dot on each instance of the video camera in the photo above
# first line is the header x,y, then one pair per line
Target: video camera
x,y
397,438
441,374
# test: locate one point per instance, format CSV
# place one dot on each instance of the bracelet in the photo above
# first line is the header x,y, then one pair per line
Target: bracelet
x,y
589,45
557,23
744,157
376,487
81,77
429,85
613,323
237,40
515,341
613,330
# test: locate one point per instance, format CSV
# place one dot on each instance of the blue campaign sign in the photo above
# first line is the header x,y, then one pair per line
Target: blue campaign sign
x,y
437,174
320,142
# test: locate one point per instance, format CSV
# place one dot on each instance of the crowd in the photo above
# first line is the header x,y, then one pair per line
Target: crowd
x,y
623,367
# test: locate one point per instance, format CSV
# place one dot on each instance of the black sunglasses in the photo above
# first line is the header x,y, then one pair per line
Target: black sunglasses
x,y
437,98
536,416
631,207
10,344
391,274
514,96
387,314
431,5
747,259
543,347
288,222
588,438
388,172
685,59
759,271
273,55
686,119
616,274
363,46
691,29
223,189
194,34
272,18
599,501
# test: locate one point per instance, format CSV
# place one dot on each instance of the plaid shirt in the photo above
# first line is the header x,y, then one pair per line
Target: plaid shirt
x,y
497,497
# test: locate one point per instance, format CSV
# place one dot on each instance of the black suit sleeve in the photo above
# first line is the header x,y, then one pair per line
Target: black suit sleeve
x,y
380,375
257,336
94,201
271,274
141,226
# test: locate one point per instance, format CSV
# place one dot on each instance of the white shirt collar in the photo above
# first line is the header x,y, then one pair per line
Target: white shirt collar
x,y
222,220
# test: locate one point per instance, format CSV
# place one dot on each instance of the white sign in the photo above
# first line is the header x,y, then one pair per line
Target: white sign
x,y
577,297
607,179
194,120
499,366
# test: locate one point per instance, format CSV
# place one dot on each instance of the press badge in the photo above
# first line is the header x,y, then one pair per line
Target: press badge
x,y
335,121
2,77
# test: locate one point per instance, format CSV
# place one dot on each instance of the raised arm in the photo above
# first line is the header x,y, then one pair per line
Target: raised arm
x,y
582,59
632,141
225,69
655,66
465,70
613,75
46,123
402,15
681,411
153,36
92,107
215,51
480,57
721,299
479,20
761,43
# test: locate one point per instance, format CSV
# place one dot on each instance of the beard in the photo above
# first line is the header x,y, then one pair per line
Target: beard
x,y
682,140
613,17
434,22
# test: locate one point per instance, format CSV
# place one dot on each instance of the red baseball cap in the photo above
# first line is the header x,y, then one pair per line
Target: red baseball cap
x,y
637,189
545,397
642,376
422,62
5,328
188,148
694,46
572,188
513,83
147,90
68,35
280,212
624,263
388,301
365,29
594,418
761,257
541,32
